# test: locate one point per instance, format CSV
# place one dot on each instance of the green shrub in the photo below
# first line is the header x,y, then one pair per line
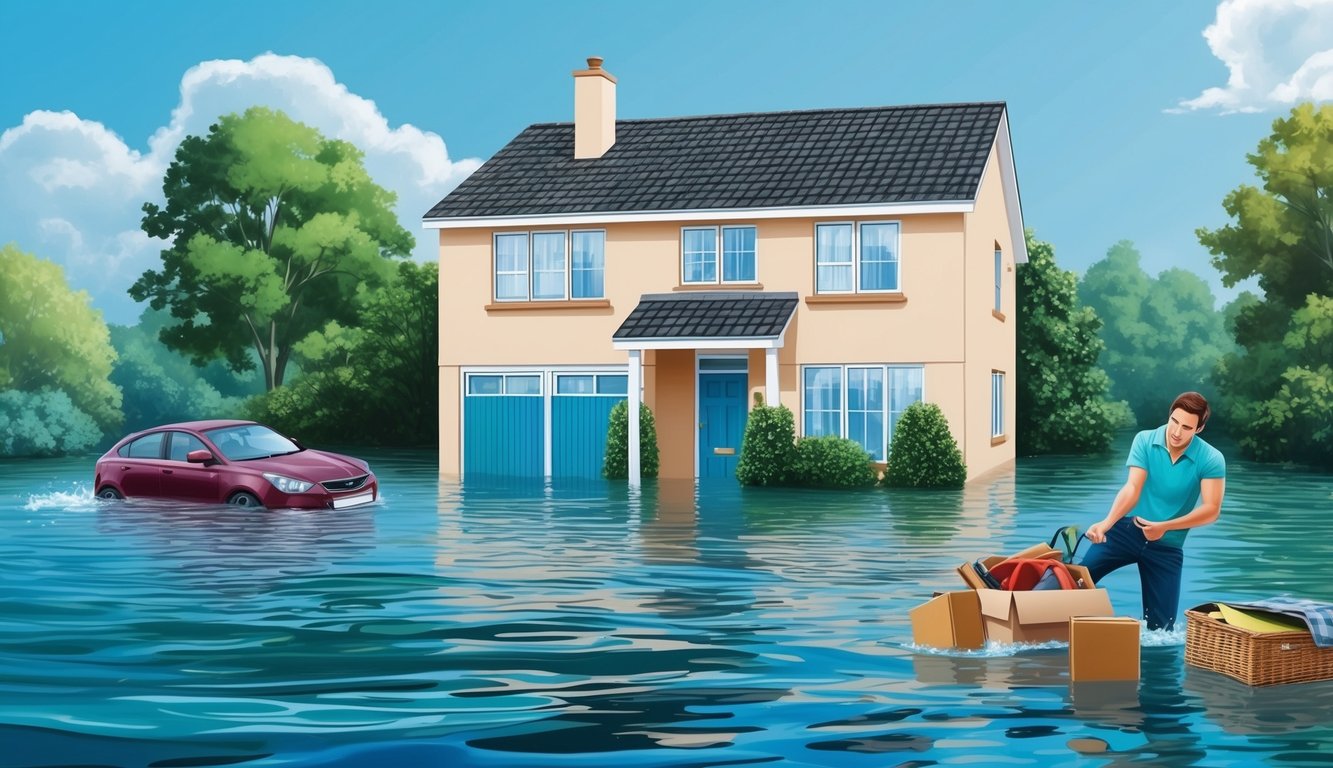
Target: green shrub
x,y
923,453
616,464
832,462
768,449
45,423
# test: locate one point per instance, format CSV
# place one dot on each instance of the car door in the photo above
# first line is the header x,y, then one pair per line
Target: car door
x,y
140,466
183,480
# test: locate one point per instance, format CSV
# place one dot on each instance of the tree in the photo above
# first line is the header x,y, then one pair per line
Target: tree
x,y
1062,405
51,339
380,373
1276,387
161,386
1163,335
272,228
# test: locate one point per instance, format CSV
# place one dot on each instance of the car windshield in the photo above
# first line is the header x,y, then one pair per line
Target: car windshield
x,y
250,441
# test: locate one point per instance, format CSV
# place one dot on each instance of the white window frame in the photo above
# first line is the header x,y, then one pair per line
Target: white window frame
x,y
886,411
999,276
530,274
719,254
855,263
997,404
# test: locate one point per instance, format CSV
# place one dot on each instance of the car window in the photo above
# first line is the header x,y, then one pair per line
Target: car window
x,y
182,443
250,441
147,447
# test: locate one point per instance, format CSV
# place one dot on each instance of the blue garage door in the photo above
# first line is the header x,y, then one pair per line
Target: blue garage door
x,y
580,410
504,425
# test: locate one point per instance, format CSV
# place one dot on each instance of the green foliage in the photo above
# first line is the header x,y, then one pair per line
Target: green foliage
x,y
161,386
923,453
52,338
272,228
45,423
768,448
1275,388
380,374
830,461
1062,394
1163,335
616,464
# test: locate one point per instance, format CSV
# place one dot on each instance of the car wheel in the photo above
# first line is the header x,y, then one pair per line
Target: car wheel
x,y
108,492
244,499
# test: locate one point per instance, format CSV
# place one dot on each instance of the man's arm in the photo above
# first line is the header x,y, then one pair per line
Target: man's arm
x,y
1124,502
1211,491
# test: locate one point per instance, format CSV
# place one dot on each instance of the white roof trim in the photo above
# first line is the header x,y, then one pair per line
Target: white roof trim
x,y
1009,180
712,214
770,342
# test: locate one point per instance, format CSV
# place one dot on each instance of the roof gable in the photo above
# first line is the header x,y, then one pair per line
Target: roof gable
x,y
879,155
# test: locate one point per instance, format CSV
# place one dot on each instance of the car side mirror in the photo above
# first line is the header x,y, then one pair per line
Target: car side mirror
x,y
201,456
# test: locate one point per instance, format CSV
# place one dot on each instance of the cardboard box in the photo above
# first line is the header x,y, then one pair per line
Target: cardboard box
x,y
949,620
1103,648
1040,616
1034,616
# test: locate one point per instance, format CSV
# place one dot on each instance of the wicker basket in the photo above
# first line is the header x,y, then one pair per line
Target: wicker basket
x,y
1254,658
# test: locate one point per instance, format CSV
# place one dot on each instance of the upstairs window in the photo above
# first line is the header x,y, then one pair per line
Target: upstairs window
x,y
712,255
999,264
856,258
550,266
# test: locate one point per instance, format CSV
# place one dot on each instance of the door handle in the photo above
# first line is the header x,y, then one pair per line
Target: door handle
x,y
166,471
703,424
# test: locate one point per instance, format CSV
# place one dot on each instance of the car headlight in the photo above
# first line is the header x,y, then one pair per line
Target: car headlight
x,y
287,484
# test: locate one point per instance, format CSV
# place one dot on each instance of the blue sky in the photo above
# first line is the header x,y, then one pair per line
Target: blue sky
x,y
1130,120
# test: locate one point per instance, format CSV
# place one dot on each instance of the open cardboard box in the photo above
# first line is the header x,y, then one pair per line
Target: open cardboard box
x,y
1035,616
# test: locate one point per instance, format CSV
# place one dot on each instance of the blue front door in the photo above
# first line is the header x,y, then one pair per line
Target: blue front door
x,y
721,422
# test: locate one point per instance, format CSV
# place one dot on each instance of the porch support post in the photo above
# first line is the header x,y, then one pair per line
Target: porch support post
x,y
771,376
635,399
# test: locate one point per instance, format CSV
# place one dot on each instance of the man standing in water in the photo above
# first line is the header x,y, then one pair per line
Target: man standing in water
x,y
1176,482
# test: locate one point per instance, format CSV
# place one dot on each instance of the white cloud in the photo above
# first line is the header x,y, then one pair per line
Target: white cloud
x,y
71,190
1278,52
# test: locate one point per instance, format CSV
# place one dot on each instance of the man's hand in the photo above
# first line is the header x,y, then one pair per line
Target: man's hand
x,y
1097,533
1151,531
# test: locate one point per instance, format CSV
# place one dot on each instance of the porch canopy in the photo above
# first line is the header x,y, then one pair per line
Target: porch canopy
x,y
702,320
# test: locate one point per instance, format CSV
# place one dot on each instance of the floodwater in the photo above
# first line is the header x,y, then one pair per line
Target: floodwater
x,y
500,623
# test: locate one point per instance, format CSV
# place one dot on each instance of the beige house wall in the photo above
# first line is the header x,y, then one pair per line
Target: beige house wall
x,y
990,338
943,323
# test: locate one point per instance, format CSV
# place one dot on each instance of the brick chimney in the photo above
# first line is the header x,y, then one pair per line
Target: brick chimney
x,y
594,110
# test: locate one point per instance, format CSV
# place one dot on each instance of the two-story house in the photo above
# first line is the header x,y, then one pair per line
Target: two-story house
x,y
843,262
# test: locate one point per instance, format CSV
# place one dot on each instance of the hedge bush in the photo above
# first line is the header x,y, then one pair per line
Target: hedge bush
x,y
832,462
768,448
923,453
616,464
45,423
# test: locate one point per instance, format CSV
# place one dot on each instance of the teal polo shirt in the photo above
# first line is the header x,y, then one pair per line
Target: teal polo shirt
x,y
1172,490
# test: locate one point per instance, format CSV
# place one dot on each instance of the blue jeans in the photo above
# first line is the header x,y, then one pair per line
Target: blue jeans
x,y
1159,569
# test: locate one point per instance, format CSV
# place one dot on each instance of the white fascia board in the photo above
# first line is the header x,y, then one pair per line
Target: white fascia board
x,y
1012,202
770,342
1009,184
715,214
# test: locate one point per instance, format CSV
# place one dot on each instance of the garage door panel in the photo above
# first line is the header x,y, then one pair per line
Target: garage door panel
x,y
503,436
578,434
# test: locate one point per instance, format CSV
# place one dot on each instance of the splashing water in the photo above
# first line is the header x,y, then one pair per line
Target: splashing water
x,y
79,497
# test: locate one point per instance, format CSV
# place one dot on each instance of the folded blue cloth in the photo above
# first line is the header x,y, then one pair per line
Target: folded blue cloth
x,y
1318,616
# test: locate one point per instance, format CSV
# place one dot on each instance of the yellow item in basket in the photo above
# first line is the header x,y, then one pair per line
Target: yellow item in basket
x,y
1261,621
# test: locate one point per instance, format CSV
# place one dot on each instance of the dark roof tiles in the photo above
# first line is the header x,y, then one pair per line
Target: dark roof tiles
x,y
925,153
708,315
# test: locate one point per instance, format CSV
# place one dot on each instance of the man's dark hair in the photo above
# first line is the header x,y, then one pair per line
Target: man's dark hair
x,y
1192,402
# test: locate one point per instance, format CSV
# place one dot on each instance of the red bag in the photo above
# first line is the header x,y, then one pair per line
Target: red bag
x,y
1022,573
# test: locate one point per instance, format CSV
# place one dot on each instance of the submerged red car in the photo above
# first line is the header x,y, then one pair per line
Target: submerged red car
x,y
231,462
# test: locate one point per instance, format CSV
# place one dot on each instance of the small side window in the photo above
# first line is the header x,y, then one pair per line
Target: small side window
x,y
147,447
